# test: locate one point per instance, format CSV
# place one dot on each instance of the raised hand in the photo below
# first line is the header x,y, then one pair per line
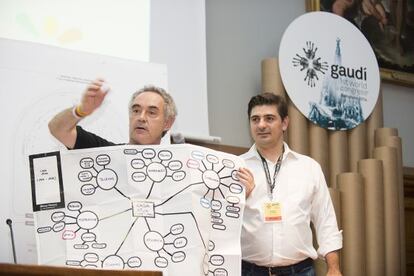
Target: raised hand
x,y
93,97
246,178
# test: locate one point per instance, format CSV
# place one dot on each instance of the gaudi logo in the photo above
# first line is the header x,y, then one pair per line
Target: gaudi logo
x,y
311,63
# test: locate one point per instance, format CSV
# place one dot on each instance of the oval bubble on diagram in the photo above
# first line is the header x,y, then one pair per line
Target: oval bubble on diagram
x,y
88,237
164,155
177,229
87,220
113,262
88,189
68,235
59,226
205,203
74,206
134,262
193,164
215,214
139,176
99,245
236,188
197,155
161,262
154,241
212,159
217,260
58,216
156,172
91,257
137,163
228,163
81,246
211,245
73,263
175,165
103,160
219,227
233,199
234,175
86,163
130,151
215,205
178,176
217,220
232,214
85,176
220,272
107,179
211,179
180,242
148,153
41,230
233,209
178,257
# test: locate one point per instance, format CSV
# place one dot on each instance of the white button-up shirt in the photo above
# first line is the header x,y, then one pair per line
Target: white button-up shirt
x,y
304,197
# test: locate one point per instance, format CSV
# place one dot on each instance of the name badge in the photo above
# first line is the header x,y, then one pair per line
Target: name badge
x,y
272,212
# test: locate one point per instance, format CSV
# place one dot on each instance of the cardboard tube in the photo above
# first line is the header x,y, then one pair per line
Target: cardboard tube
x,y
338,155
395,142
318,147
381,134
371,171
353,222
388,156
298,130
271,79
336,201
374,121
357,146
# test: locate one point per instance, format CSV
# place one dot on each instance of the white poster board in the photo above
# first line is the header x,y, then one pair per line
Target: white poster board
x,y
37,82
330,73
175,208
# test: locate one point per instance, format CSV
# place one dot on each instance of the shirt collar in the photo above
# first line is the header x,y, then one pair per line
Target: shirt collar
x,y
252,153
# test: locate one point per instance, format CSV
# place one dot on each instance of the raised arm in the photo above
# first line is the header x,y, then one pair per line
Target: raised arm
x,y
63,125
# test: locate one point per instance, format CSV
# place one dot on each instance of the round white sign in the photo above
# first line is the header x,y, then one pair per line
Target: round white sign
x,y
329,70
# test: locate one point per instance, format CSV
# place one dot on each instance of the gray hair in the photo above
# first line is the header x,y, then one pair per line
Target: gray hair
x,y
170,110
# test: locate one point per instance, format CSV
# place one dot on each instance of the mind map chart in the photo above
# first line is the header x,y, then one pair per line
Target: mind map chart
x,y
174,208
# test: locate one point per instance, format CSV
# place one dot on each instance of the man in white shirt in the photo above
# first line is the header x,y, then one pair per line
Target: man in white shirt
x,y
290,192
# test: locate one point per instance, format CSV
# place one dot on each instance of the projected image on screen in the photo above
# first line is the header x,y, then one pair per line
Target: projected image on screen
x,y
94,26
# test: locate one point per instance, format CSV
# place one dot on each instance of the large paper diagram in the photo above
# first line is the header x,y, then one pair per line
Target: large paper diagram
x,y
175,208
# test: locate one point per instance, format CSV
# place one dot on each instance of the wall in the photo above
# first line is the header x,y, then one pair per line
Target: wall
x,y
399,113
240,33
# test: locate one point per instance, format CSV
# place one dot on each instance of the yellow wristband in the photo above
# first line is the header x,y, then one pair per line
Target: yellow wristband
x,y
79,112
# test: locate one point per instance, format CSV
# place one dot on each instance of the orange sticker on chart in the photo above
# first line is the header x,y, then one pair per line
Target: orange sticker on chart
x,y
272,212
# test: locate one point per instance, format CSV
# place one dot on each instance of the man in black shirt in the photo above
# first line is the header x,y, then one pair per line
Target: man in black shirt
x,y
152,112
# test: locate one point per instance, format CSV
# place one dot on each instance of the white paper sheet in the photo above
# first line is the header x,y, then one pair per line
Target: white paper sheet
x,y
175,208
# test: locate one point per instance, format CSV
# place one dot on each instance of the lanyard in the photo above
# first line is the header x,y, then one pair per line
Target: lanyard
x,y
271,183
